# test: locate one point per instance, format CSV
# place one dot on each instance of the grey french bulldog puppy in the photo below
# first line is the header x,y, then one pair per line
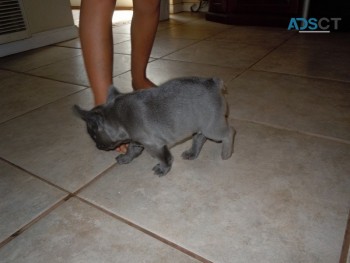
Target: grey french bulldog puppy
x,y
157,118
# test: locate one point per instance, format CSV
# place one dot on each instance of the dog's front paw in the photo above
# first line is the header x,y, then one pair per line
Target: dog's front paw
x,y
123,159
160,170
189,155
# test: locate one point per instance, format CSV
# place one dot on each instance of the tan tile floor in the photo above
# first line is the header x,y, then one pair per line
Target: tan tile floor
x,y
284,196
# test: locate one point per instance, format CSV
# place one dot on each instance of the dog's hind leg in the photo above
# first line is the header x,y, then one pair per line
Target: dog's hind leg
x,y
134,150
197,143
164,156
224,133
227,143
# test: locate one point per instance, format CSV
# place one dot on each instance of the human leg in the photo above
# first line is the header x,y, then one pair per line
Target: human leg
x,y
143,30
95,28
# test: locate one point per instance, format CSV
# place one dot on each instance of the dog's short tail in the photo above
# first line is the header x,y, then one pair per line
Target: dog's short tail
x,y
222,89
219,83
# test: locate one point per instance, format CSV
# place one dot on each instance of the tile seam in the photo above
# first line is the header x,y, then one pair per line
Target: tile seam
x,y
147,232
320,136
42,106
272,49
34,175
346,243
36,219
301,75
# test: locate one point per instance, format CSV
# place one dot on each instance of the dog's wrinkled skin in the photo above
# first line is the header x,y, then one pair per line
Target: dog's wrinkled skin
x,y
157,118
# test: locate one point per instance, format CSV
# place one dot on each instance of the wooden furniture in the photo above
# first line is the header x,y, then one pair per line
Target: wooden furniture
x,y
254,12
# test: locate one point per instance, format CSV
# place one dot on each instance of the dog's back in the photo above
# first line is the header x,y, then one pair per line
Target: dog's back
x,y
175,110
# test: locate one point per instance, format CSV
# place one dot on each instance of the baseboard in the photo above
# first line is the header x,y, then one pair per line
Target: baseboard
x,y
39,40
75,7
175,8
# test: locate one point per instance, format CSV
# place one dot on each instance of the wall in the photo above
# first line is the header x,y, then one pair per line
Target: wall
x,y
175,6
46,15
49,22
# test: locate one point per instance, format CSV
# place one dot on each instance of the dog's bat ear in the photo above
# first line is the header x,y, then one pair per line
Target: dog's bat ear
x,y
80,112
112,94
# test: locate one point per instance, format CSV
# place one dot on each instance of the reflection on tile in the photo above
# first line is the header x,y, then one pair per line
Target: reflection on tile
x,y
308,61
76,232
52,143
122,48
160,71
298,103
73,70
334,41
125,29
165,24
22,199
123,82
25,93
162,46
228,54
69,70
120,38
204,24
37,58
254,35
188,31
282,197
185,17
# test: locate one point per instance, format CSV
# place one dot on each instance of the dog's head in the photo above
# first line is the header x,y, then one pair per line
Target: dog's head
x,y
103,128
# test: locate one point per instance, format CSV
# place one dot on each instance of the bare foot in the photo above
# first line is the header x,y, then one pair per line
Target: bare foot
x,y
122,148
143,84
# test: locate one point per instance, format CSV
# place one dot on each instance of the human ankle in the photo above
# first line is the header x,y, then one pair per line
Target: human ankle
x,y
142,84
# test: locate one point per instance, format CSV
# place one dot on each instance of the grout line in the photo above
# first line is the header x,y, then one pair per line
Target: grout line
x,y
54,206
57,186
134,225
42,106
296,131
301,75
34,175
195,41
195,63
40,49
148,232
263,57
27,73
62,45
346,244
209,37
34,221
76,192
